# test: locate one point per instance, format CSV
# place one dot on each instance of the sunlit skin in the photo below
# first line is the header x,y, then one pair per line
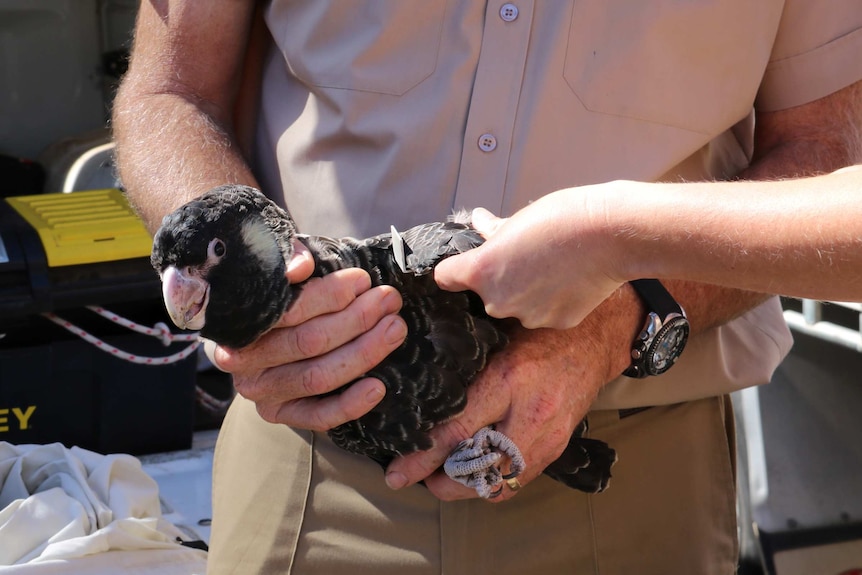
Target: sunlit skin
x,y
798,237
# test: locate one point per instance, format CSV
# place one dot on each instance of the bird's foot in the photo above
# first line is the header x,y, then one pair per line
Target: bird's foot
x,y
475,462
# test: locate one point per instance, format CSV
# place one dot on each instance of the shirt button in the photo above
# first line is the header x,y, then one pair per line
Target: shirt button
x,y
508,12
487,142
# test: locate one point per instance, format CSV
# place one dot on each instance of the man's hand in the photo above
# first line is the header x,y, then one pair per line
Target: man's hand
x,y
549,265
536,391
334,332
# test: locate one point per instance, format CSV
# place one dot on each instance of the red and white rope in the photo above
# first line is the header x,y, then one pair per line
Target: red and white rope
x,y
159,331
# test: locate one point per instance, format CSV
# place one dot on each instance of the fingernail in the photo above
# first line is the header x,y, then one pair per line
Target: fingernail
x,y
361,284
395,480
391,301
396,332
374,394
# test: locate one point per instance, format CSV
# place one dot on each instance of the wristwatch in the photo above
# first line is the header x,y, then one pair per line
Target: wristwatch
x,y
663,337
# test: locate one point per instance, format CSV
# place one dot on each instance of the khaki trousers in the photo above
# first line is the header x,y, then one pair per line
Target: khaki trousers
x,y
291,502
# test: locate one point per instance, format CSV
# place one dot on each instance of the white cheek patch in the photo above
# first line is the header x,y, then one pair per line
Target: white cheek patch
x,y
257,236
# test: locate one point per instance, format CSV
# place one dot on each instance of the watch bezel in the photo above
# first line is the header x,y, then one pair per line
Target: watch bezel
x,y
672,324
664,317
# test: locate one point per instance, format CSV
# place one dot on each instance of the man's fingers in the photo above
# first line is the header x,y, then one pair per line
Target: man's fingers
x,y
325,373
415,467
445,489
346,362
458,273
324,413
301,265
482,409
328,294
450,273
328,332
314,337
336,331
485,222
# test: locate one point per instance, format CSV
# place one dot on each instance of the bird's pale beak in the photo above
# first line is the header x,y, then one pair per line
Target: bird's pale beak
x,y
186,297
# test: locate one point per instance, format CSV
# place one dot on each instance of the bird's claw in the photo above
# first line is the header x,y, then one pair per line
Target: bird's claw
x,y
475,462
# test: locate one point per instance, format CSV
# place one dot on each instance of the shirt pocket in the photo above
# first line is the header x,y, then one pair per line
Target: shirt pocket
x,y
381,46
690,64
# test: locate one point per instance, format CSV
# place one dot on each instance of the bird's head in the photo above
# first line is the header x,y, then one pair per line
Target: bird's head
x,y
222,260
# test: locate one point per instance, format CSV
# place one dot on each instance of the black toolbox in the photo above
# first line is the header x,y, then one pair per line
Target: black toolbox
x,y
60,253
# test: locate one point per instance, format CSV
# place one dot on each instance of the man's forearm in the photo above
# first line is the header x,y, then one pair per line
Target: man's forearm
x,y
816,138
709,305
819,147
173,115
798,237
169,151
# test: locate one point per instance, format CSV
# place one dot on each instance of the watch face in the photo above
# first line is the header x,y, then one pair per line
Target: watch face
x,y
667,345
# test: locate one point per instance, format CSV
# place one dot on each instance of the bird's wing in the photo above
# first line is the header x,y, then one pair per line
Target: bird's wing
x,y
427,244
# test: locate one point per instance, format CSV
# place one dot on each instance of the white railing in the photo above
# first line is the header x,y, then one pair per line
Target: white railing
x,y
810,322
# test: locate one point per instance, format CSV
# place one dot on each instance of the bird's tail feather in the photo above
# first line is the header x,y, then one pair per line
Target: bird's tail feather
x,y
585,465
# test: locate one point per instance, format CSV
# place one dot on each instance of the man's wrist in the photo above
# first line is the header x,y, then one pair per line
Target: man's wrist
x,y
615,222
608,332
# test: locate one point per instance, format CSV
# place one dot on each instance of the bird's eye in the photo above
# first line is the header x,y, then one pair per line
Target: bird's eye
x,y
216,248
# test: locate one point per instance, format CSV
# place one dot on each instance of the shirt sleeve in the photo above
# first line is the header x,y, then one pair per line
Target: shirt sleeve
x,y
817,51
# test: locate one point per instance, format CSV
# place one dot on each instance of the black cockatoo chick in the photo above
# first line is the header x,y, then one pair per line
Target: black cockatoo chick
x,y
222,260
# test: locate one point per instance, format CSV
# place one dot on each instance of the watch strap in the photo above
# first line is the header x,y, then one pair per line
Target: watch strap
x,y
656,297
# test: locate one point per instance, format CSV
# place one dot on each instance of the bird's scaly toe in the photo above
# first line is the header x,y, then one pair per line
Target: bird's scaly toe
x,y
475,462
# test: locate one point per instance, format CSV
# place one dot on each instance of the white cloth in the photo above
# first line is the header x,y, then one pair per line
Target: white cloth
x,y
75,511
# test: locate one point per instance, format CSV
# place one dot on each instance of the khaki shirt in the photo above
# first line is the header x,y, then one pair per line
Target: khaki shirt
x,y
397,112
